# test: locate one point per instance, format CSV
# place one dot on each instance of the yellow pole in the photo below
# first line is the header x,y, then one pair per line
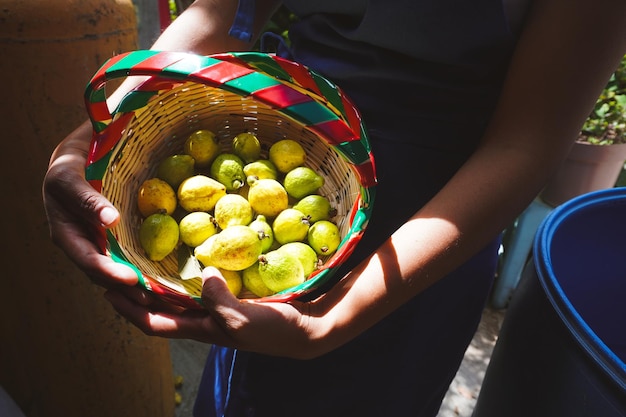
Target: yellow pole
x,y
63,350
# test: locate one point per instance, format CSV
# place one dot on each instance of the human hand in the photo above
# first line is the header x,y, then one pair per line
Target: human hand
x,y
75,212
281,329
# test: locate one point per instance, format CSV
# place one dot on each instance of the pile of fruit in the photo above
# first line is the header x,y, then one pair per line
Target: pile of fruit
x,y
260,221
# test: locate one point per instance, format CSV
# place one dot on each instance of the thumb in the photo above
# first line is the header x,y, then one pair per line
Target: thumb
x,y
215,292
72,194
94,206
65,189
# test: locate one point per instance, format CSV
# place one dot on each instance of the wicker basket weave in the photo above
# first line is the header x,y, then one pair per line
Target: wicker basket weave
x,y
227,94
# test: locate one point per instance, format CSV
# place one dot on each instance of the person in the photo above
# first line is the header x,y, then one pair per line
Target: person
x,y
470,106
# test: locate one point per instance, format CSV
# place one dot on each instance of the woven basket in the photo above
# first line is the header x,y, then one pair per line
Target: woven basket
x,y
227,94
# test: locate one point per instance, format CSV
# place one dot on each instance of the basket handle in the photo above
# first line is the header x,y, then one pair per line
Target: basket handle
x,y
135,63
288,87
308,97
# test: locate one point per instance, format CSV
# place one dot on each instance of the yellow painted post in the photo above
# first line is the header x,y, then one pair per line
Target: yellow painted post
x,y
63,350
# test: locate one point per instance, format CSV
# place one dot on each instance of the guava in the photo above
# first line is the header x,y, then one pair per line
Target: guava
x,y
158,236
234,248
280,270
231,210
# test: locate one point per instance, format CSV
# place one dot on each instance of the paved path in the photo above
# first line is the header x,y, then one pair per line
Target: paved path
x,y
463,392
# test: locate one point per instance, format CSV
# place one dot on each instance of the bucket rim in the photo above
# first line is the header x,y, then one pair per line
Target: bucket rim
x,y
590,342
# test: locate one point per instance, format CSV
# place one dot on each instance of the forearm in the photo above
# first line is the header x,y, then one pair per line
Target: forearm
x,y
203,27
545,101
489,191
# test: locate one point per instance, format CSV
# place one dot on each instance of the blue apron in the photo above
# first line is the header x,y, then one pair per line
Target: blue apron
x,y
426,105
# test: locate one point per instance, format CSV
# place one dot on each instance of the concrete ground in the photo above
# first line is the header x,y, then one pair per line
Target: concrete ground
x,y
463,392
188,360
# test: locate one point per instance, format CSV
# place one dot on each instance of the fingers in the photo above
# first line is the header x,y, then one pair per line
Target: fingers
x,y
156,319
153,324
249,326
215,292
65,184
226,321
227,310
79,241
66,192
76,212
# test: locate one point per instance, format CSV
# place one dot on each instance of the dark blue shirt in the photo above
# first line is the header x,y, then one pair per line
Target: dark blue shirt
x,y
432,61
426,75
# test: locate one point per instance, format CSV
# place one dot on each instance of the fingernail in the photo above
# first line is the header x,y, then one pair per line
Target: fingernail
x,y
210,271
107,216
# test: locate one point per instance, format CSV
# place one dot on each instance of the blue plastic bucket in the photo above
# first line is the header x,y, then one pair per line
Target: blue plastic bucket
x,y
561,350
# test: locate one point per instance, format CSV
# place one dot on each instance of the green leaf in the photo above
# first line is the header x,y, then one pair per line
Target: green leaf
x,y
188,266
602,110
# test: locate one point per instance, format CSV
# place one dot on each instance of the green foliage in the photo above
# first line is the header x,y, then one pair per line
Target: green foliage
x,y
178,6
173,9
279,24
607,123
